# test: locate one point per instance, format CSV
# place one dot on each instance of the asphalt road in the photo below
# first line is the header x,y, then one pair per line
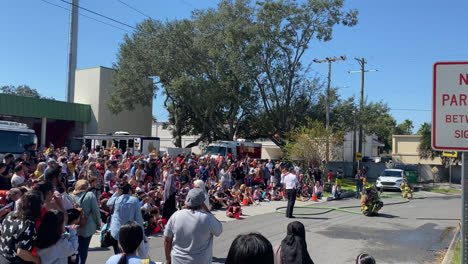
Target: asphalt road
x,y
414,232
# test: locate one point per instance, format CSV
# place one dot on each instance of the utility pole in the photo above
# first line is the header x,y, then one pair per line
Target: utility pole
x,y
72,50
327,100
362,62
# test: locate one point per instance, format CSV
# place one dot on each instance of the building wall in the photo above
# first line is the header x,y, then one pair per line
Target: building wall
x,y
87,86
93,86
405,150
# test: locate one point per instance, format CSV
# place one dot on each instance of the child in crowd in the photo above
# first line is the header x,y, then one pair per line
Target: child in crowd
x,y
336,191
54,244
330,176
234,211
318,190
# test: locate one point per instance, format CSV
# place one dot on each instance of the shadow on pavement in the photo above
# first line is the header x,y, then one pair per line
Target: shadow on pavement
x,y
219,260
312,218
99,249
387,216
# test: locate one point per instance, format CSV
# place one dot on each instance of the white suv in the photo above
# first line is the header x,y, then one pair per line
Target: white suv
x,y
391,179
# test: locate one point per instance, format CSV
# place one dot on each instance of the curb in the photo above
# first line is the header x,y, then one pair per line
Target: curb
x,y
451,249
343,195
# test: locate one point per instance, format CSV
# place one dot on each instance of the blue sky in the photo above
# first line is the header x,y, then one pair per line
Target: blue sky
x,y
400,38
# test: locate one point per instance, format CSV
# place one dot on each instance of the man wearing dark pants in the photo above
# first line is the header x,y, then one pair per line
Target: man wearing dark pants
x,y
290,182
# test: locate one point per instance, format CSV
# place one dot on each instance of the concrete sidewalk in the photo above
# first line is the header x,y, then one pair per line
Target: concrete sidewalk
x,y
247,211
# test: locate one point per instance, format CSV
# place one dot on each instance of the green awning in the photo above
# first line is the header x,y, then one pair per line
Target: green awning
x,y
33,107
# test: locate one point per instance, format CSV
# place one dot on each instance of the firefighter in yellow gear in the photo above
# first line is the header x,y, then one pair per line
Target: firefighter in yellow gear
x,y
406,190
370,201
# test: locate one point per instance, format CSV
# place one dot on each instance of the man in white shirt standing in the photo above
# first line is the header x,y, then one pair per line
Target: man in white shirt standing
x,y
290,182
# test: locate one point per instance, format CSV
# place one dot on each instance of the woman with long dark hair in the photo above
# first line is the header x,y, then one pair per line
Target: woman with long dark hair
x,y
54,245
130,237
18,231
293,248
126,208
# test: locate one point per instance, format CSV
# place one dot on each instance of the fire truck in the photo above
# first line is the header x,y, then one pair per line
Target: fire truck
x,y
237,149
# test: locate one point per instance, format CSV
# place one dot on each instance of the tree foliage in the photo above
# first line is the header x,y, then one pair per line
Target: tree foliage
x,y
425,147
308,143
22,90
236,70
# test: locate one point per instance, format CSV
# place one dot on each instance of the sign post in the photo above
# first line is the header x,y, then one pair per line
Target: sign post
x,y
450,125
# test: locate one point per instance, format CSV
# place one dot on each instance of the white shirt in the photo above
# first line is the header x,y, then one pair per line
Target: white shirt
x,y
290,181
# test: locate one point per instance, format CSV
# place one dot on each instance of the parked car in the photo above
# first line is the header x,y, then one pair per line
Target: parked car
x,y
391,179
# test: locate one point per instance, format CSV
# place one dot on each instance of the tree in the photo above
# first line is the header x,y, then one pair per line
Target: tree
x,y
377,120
22,90
405,128
425,147
284,30
308,143
216,67
195,63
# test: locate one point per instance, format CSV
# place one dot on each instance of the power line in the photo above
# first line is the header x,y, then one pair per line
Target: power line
x,y
134,9
101,15
92,18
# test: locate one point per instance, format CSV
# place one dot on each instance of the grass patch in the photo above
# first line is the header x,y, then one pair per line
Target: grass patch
x,y
440,190
456,259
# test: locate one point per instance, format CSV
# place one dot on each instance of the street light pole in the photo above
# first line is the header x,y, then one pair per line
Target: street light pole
x,y
327,100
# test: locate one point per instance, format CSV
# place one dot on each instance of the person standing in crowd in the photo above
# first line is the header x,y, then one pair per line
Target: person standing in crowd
x,y
293,248
188,237
201,185
90,210
109,176
170,191
359,183
19,233
18,180
290,183
339,176
54,246
126,208
250,248
130,237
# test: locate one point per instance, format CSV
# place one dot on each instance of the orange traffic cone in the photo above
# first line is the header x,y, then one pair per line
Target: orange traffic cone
x,y
245,201
314,197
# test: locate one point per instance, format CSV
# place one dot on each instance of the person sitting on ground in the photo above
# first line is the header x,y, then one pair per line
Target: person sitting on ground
x,y
293,248
250,248
365,259
130,238
336,191
234,211
220,199
318,190
53,243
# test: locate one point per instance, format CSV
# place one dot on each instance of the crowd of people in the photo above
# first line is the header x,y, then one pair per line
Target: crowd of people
x,y
53,201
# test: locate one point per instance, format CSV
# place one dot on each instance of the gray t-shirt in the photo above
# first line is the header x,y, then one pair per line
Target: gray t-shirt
x,y
192,233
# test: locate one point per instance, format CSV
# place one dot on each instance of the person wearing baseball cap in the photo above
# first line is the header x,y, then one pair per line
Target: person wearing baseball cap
x,y
188,237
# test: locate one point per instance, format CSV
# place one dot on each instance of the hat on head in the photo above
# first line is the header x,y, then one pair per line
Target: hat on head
x,y
195,197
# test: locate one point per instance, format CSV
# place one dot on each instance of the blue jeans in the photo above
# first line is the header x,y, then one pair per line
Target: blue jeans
x,y
358,191
83,246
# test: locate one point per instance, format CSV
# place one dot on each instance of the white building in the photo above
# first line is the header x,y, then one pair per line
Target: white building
x,y
370,146
93,86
